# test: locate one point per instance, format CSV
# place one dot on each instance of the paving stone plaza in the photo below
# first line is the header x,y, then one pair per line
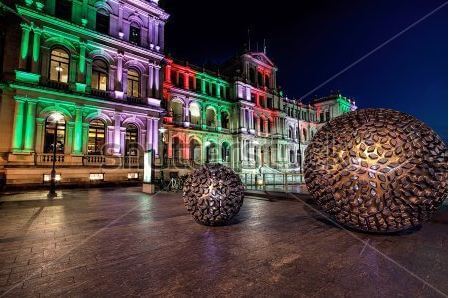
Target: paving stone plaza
x,y
117,242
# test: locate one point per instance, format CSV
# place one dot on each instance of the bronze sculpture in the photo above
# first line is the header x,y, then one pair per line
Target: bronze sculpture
x,y
377,170
213,194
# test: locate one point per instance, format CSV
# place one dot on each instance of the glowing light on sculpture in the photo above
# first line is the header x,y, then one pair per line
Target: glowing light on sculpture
x,y
377,170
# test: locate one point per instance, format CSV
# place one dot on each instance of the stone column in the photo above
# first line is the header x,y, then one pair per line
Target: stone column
x,y
36,50
119,85
156,136
156,34
30,126
122,141
149,134
39,134
17,137
161,35
78,135
150,32
24,51
117,120
156,81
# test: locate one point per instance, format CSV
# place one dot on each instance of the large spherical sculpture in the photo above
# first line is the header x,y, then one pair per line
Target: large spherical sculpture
x,y
377,170
213,194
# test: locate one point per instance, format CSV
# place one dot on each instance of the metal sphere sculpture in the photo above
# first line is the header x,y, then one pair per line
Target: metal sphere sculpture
x,y
377,170
213,194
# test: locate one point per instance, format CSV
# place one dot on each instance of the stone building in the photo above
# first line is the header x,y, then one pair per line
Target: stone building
x,y
91,79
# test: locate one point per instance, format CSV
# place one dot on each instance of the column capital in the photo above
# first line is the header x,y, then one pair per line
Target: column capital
x,y
25,26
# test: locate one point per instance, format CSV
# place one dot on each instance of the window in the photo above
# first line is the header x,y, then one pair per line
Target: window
x,y
190,82
180,80
225,152
261,124
267,81
102,24
259,79
131,140
96,140
134,34
63,9
321,117
59,65
198,85
292,156
49,139
133,83
252,76
173,77
304,132
269,126
328,115
269,102
99,75
224,120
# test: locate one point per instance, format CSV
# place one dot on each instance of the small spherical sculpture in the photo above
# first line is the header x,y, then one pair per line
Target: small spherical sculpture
x,y
213,194
377,170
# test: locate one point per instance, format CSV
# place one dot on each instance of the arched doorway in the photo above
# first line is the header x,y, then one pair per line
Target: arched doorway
x,y
210,117
225,120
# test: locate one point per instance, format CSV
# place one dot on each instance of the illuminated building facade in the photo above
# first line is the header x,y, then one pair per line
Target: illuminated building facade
x,y
95,73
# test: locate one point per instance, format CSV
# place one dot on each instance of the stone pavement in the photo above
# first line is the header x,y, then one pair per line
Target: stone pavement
x,y
120,242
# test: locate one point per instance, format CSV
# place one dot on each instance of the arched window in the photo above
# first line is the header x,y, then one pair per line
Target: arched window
x,y
210,117
195,151
225,152
211,153
224,119
195,114
96,140
102,21
176,110
131,140
133,83
54,122
134,33
99,75
59,65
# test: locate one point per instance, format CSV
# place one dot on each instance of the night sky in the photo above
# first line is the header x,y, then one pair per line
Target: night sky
x,y
311,41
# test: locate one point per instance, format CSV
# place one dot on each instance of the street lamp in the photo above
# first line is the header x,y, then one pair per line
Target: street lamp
x,y
162,130
52,193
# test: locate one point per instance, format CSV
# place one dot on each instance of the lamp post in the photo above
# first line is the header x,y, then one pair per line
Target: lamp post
x,y
52,193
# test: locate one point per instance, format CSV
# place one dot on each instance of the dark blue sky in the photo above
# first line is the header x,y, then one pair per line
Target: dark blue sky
x,y
310,41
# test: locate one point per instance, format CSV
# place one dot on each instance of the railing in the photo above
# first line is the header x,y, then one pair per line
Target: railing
x,y
100,93
56,85
47,159
274,182
132,161
181,163
137,100
94,160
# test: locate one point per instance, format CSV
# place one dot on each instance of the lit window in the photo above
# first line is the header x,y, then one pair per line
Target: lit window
x,y
96,137
131,140
59,65
99,75
133,83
